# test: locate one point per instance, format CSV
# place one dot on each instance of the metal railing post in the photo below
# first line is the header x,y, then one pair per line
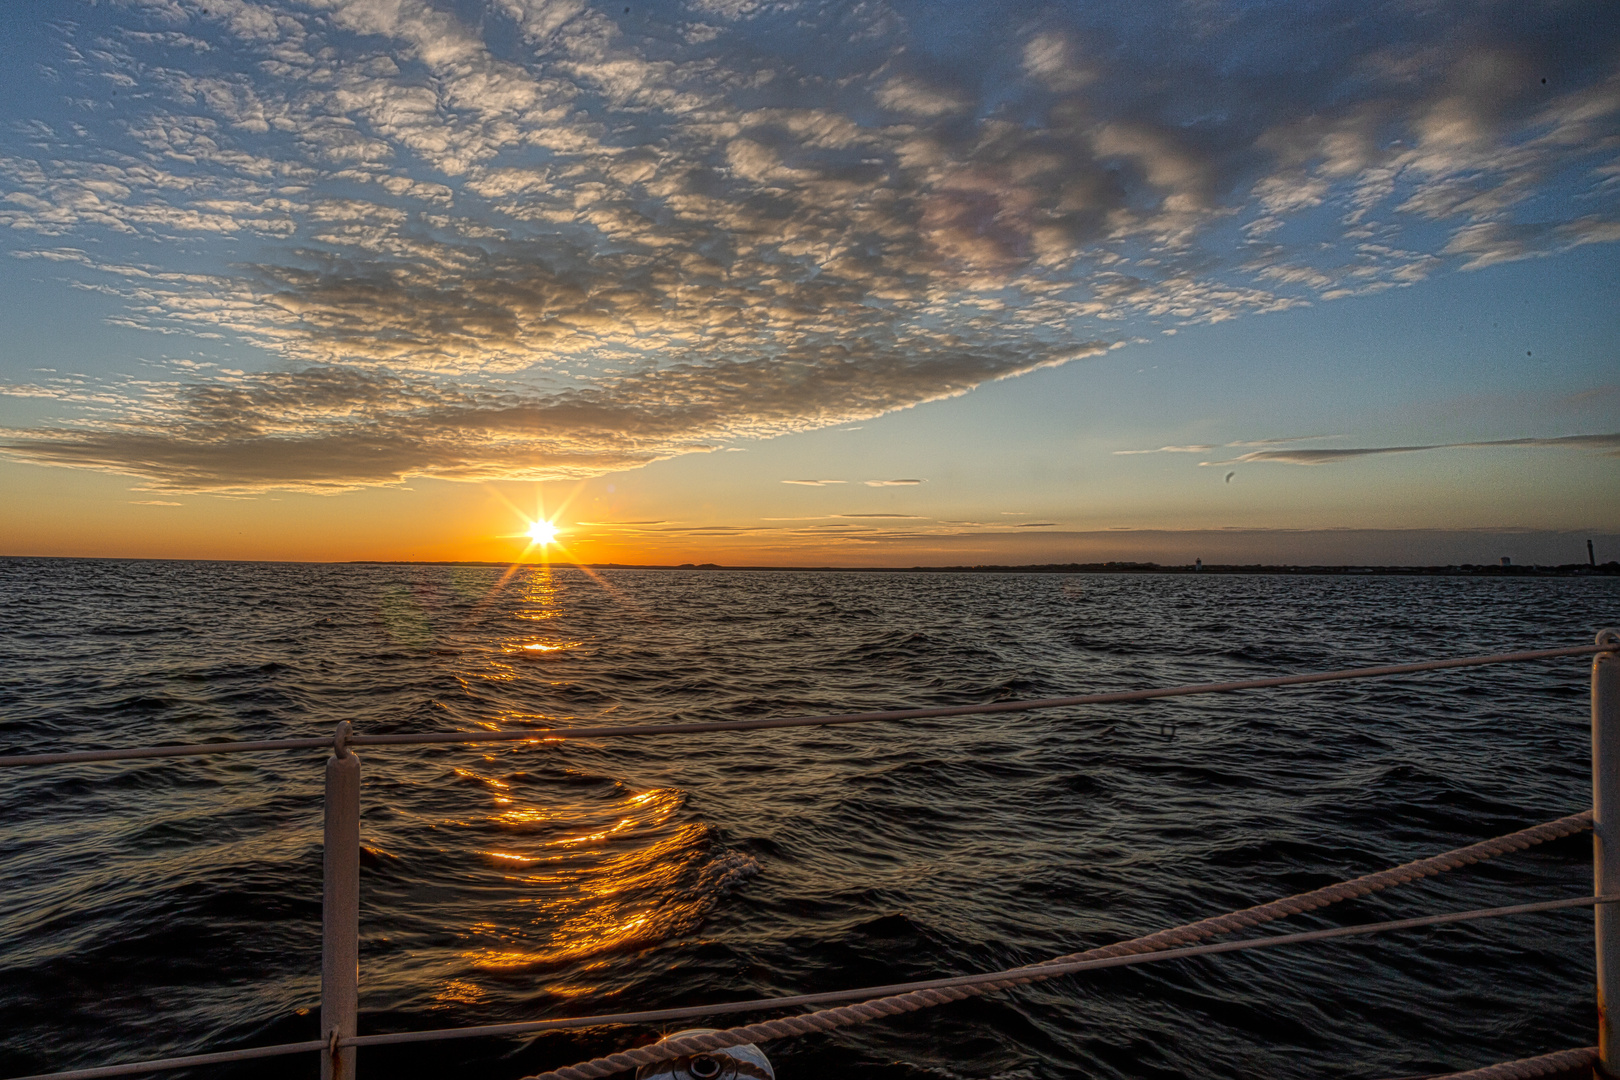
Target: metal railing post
x,y
340,909
1606,844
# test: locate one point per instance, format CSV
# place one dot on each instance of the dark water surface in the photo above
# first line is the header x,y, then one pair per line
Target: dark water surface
x,y
174,906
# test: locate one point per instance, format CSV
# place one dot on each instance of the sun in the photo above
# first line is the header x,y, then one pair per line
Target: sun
x,y
542,532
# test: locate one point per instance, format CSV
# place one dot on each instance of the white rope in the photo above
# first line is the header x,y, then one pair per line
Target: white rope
x,y
790,1026
885,1001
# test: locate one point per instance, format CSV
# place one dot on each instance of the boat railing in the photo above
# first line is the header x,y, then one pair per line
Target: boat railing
x,y
339,1009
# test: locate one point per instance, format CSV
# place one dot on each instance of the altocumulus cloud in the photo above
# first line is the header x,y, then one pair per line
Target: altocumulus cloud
x,y
541,238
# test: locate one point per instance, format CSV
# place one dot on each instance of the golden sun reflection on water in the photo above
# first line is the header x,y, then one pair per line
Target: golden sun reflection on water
x,y
459,992
541,602
589,890
624,900
585,875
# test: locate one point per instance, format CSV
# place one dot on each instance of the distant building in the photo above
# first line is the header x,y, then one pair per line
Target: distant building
x,y
1506,561
1198,564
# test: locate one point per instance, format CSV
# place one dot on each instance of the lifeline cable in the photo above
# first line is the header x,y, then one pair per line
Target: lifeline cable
x,y
891,1005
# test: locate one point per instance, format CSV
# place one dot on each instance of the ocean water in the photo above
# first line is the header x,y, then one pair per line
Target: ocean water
x,y
167,907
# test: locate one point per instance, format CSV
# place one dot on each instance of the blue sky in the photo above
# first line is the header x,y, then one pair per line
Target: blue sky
x,y
732,270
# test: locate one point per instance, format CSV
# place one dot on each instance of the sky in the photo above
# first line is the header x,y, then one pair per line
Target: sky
x,y
805,283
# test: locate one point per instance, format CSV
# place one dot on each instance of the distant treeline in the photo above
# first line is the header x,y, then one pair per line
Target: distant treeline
x,y
1608,569
1462,570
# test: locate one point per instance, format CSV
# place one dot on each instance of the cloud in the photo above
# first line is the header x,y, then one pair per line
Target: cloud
x,y
547,239
894,483
815,483
1492,242
1190,449
910,95
1607,444
152,502
1034,524
29,390
1049,58
335,428
1282,441
911,517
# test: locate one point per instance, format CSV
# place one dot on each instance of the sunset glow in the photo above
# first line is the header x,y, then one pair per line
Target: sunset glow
x,y
807,284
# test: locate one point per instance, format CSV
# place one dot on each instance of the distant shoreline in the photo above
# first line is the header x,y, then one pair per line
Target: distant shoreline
x,y
1608,569
1491,570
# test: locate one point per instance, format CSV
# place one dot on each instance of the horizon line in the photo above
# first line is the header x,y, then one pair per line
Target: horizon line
x,y
1611,567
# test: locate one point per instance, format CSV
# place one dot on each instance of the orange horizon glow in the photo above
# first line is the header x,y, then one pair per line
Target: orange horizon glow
x,y
648,524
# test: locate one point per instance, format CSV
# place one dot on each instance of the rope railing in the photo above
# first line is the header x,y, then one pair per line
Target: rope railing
x,y
1161,946
941,991
888,1001
888,716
